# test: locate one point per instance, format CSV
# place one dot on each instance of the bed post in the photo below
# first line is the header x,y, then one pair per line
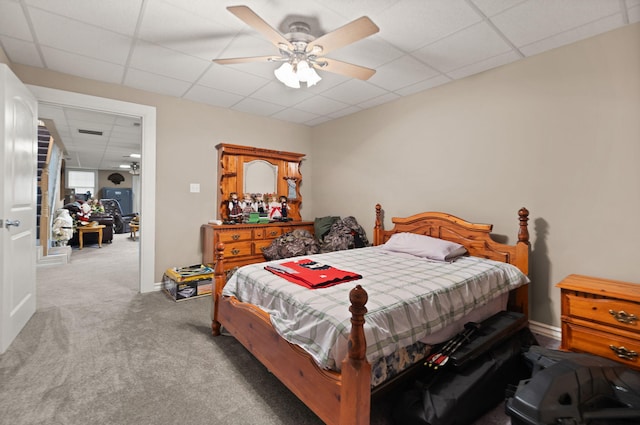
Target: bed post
x,y
355,391
377,228
519,298
219,278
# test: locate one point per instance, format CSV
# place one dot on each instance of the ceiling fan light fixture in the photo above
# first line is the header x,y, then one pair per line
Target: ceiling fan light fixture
x,y
287,76
307,74
292,77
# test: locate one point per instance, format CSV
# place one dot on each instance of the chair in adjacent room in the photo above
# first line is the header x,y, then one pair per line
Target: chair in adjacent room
x,y
121,222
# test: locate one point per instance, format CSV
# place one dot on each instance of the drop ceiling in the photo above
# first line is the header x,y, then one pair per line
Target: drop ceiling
x,y
166,46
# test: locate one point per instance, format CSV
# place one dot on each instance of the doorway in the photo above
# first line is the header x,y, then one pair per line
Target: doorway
x,y
147,114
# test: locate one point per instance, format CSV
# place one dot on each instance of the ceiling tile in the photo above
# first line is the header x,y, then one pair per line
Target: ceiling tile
x,y
213,97
258,107
321,105
170,63
80,38
294,115
94,69
546,18
344,112
402,72
389,97
278,93
353,92
225,78
13,22
118,16
155,83
194,34
493,7
573,35
483,65
19,51
411,24
468,46
424,85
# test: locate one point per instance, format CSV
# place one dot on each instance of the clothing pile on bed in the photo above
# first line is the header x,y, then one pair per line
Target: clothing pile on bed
x,y
332,234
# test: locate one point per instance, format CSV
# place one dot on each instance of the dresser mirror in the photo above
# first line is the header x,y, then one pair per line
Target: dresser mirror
x,y
260,176
250,170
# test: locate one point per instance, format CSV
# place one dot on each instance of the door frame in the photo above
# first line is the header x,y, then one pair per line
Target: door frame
x,y
147,114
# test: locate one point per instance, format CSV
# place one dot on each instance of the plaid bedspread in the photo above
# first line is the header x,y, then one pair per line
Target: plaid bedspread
x,y
409,298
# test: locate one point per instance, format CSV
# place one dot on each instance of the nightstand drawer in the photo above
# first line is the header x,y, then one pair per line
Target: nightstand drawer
x,y
623,314
604,344
234,236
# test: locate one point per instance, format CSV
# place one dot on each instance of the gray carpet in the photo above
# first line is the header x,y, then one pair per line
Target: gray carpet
x,y
98,352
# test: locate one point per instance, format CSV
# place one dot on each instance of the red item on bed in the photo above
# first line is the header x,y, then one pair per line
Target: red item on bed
x,y
311,274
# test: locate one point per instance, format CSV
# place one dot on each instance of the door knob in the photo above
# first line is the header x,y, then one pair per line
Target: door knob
x,y
9,223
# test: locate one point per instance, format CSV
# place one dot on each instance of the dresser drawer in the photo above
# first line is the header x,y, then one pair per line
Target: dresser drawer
x,y
234,236
619,313
237,249
290,229
615,347
258,245
271,232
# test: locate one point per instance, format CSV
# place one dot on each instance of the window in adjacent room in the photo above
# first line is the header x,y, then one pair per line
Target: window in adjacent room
x,y
82,182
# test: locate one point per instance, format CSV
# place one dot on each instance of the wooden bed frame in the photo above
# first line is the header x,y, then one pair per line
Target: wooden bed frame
x,y
345,398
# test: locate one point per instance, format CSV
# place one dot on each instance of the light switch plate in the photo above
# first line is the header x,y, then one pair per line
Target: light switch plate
x,y
195,187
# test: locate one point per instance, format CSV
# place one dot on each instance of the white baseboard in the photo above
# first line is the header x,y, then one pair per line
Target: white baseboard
x,y
545,330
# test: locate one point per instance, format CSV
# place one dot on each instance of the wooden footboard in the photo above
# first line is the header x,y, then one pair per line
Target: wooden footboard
x,y
345,398
337,398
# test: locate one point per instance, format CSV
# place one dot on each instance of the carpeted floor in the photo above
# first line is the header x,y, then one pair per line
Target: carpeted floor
x,y
98,352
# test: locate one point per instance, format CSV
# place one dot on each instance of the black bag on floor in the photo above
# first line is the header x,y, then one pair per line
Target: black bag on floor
x,y
474,382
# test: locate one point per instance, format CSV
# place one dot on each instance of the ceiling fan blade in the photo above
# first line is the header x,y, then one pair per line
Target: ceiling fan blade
x,y
347,34
231,61
347,69
250,18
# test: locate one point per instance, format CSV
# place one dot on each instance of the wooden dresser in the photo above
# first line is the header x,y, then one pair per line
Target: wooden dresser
x,y
243,243
600,316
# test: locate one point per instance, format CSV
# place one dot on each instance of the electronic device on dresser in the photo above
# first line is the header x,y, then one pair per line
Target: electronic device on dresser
x,y
247,170
600,316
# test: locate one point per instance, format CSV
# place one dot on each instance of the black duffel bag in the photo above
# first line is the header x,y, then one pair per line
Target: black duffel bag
x,y
459,395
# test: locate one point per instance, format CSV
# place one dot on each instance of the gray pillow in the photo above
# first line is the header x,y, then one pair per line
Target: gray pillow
x,y
322,225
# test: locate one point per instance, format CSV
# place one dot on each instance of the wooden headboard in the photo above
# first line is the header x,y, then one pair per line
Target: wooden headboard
x,y
476,237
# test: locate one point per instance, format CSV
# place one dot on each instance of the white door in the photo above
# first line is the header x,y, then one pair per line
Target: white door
x,y
18,156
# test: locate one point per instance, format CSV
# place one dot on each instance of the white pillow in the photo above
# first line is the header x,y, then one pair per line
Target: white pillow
x,y
424,246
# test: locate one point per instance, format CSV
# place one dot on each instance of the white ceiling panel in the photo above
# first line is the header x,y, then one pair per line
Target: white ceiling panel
x,y
213,97
118,16
78,37
13,21
166,46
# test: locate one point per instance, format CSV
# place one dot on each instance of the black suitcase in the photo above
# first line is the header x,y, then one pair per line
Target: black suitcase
x,y
575,389
475,379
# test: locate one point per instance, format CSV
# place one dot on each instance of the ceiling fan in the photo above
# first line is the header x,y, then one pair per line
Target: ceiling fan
x,y
301,53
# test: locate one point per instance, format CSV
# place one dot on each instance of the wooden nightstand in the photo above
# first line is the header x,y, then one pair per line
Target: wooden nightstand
x,y
600,316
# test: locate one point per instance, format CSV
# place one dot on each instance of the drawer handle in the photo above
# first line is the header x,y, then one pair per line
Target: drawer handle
x,y
273,233
235,251
235,237
623,353
624,317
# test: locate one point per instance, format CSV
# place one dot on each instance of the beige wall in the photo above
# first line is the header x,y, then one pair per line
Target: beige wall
x,y
558,133
187,133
